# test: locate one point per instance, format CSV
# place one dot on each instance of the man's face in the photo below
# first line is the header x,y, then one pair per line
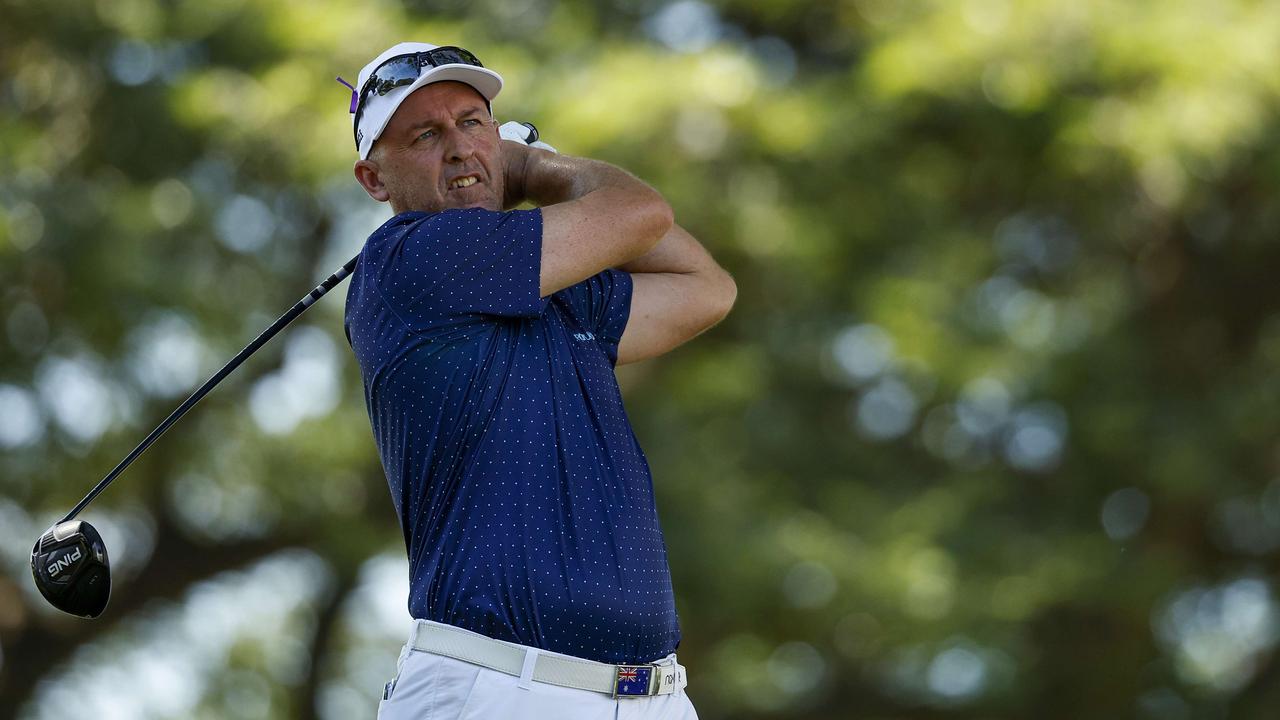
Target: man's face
x,y
439,151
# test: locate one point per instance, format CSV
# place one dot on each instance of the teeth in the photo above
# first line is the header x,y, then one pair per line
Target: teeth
x,y
463,182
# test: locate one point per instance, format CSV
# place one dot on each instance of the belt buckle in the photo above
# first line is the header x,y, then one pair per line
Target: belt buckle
x,y
633,681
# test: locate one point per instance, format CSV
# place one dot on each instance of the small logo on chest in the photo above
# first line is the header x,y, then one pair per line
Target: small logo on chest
x,y
583,336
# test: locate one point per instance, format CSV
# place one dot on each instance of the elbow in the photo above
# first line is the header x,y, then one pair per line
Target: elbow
x,y
641,217
726,296
659,219
720,299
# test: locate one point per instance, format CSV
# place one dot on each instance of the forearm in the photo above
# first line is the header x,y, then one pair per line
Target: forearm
x,y
545,178
594,216
678,292
677,252
549,179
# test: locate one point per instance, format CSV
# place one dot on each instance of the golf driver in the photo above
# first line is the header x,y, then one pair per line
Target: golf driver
x,y
69,561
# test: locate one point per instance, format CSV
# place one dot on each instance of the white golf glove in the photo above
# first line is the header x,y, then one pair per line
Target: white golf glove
x,y
522,133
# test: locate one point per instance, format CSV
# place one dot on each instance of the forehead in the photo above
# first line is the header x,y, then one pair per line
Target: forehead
x,y
437,101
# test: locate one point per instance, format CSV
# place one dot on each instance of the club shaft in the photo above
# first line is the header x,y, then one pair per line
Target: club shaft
x,y
298,308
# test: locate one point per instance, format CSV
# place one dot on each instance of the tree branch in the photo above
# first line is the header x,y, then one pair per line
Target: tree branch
x,y
322,640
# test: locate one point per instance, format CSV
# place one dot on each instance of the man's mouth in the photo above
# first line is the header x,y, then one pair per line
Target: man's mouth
x,y
463,182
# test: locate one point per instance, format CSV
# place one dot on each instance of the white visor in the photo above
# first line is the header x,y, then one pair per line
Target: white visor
x,y
378,109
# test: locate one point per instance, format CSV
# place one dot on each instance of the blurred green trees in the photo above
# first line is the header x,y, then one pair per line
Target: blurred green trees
x,y
991,432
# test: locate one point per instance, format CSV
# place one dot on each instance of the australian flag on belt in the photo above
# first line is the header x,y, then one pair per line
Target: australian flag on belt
x,y
633,680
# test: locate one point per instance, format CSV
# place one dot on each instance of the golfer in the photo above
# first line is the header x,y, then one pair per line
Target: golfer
x,y
487,340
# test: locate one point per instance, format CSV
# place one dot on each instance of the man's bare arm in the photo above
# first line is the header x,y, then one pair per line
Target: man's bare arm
x,y
594,215
678,291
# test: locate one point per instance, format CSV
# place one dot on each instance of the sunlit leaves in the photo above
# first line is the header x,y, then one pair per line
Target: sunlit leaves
x,y
1003,357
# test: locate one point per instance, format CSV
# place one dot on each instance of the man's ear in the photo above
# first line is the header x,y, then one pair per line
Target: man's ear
x,y
367,175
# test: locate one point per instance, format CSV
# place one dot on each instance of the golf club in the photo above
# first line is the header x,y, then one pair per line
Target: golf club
x,y
69,561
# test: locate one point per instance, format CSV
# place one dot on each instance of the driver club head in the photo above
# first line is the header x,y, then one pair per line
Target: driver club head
x,y
70,566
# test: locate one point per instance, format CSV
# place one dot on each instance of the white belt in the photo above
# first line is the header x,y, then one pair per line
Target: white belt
x,y
532,664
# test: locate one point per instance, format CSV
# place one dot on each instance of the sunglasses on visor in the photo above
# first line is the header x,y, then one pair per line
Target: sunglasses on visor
x,y
402,70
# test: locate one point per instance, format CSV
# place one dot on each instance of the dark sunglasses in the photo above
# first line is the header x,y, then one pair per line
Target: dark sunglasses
x,y
403,70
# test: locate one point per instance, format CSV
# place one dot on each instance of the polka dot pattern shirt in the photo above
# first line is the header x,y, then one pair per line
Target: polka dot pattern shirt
x,y
525,500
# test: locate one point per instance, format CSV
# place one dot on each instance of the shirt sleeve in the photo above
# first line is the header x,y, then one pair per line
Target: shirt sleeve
x,y
461,264
603,302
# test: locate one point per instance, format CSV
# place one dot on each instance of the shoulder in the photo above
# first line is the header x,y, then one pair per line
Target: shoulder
x,y
465,219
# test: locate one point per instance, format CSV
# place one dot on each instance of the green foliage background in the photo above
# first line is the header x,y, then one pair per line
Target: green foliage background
x,y
991,432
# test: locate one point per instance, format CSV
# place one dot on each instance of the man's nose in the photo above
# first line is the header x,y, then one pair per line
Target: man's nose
x,y
458,146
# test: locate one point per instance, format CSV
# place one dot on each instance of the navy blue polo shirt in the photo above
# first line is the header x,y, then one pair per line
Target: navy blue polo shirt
x,y
525,500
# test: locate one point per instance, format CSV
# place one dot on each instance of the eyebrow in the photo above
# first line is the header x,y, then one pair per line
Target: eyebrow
x,y
429,122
